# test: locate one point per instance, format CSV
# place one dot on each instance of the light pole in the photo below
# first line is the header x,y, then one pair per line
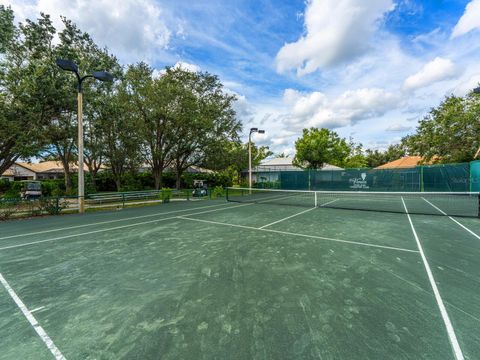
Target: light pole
x,y
252,130
69,65
477,91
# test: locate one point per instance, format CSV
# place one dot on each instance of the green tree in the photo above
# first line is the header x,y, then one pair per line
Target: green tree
x,y
203,116
152,103
118,131
449,133
356,157
317,147
376,158
231,157
23,111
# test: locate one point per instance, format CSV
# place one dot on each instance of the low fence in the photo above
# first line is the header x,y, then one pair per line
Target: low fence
x,y
11,208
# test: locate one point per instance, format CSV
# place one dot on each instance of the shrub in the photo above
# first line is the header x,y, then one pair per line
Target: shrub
x,y
52,205
165,195
8,208
217,192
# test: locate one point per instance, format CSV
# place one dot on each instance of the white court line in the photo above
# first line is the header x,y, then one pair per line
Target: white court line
x,y
112,228
108,222
31,319
300,213
446,319
288,217
329,202
451,218
297,234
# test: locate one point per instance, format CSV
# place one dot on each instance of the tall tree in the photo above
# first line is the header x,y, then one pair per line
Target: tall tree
x,y
118,130
317,147
23,109
449,133
203,115
151,102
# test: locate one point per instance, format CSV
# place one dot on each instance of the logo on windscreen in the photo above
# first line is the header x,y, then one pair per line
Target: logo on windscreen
x,y
359,183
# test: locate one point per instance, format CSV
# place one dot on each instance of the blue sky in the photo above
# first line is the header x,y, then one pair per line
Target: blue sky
x,y
367,69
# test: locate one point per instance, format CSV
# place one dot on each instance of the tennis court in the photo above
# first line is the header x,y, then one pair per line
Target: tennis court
x,y
263,276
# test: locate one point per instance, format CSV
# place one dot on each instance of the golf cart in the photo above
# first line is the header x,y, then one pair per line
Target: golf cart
x,y
199,188
31,190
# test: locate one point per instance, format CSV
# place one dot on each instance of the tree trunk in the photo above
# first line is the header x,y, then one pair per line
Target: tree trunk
x,y
178,178
158,176
118,183
178,182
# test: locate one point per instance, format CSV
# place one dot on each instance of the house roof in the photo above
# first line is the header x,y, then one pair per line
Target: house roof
x,y
48,166
404,162
277,162
8,172
286,163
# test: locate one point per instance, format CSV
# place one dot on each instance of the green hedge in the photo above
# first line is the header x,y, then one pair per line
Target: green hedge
x,y
105,182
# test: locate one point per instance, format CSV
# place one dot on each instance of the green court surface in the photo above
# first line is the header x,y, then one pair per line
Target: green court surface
x,y
218,280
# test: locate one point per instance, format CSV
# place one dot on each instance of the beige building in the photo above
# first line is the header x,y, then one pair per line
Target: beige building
x,y
37,171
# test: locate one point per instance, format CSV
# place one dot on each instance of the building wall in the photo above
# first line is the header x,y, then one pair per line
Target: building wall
x,y
21,173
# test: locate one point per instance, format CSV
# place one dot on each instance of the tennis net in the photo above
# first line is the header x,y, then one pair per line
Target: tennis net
x,y
428,203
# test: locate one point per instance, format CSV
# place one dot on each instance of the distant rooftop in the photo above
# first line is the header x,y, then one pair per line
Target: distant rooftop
x,y
285,164
404,162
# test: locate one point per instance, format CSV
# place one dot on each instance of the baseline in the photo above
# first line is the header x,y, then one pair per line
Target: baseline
x,y
446,319
31,319
107,222
113,228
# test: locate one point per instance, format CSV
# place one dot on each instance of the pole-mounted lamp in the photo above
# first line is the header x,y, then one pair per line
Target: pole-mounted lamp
x,y
477,91
252,130
69,65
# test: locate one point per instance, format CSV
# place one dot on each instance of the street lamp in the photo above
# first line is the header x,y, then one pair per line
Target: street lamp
x,y
477,91
69,65
252,130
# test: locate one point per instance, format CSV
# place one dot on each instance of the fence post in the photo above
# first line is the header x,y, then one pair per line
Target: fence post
x,y
422,186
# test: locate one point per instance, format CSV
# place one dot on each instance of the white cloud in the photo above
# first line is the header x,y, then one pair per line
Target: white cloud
x,y
316,109
398,127
187,66
436,70
336,31
469,21
133,29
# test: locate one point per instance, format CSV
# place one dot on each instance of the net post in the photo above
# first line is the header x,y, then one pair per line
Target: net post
x,y
316,200
478,204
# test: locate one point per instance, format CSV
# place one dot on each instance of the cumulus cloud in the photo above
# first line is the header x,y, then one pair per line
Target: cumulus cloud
x,y
469,21
132,29
436,70
336,31
316,109
398,128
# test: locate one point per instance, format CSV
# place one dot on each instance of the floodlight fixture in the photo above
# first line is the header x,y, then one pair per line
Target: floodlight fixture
x,y
252,130
103,76
67,65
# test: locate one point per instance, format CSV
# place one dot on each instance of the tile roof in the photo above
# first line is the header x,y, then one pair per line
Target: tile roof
x,y
405,162
48,166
